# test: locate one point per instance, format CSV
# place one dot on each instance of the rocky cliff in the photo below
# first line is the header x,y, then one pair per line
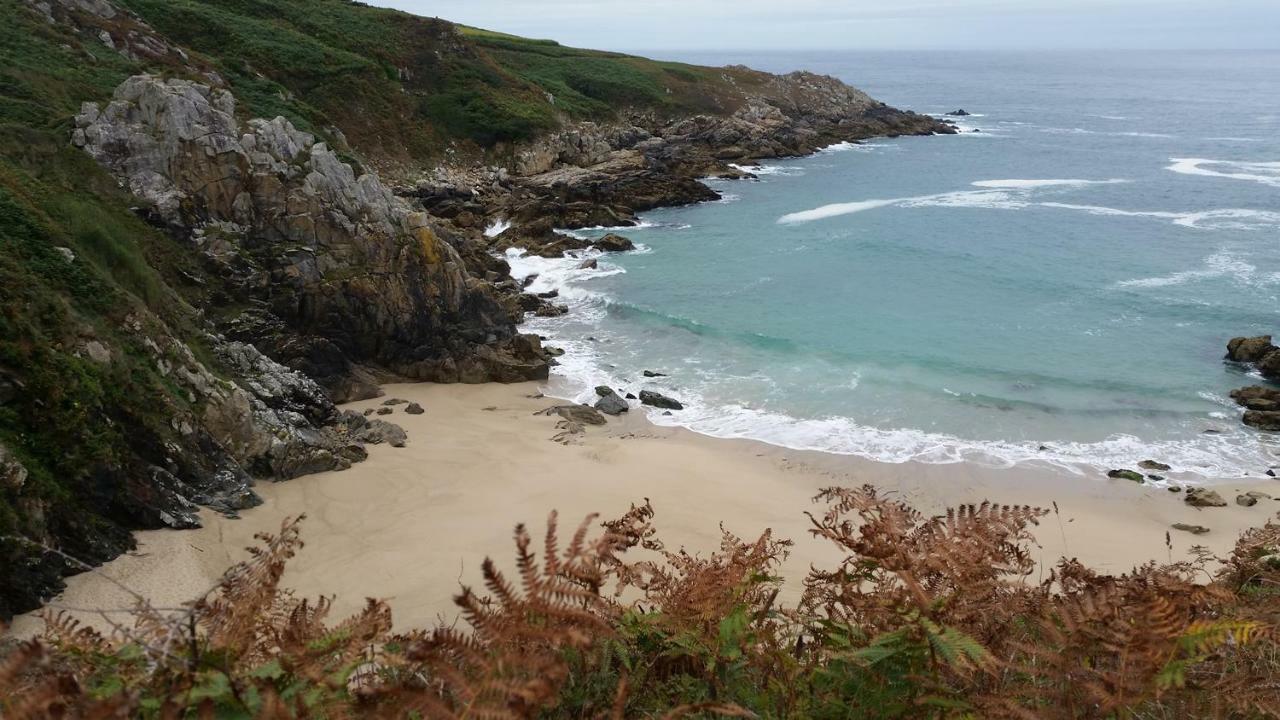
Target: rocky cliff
x,y
201,249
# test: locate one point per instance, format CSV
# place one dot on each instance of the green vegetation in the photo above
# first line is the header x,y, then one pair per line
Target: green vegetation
x,y
923,618
402,87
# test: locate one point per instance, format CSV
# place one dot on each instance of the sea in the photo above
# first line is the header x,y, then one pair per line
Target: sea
x,y
1054,286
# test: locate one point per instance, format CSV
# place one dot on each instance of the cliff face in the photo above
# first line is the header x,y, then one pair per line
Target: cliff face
x,y
338,270
198,257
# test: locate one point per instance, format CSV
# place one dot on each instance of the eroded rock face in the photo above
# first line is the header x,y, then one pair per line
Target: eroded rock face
x,y
345,271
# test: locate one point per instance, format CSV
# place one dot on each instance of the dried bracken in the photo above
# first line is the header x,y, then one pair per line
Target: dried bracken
x,y
924,617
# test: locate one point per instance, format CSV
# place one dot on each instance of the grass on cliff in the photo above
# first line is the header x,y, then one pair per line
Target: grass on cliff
x,y
403,87
67,418
923,618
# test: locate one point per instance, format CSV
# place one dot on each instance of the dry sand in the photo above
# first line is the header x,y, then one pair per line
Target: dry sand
x,y
410,524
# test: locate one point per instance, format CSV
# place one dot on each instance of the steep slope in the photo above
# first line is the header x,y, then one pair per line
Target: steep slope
x,y
219,217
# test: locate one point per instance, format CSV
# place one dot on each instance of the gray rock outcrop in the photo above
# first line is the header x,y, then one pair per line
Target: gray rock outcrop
x,y
334,257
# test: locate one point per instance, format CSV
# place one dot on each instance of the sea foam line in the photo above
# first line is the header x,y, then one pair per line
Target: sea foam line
x,y
585,366
1011,194
1266,173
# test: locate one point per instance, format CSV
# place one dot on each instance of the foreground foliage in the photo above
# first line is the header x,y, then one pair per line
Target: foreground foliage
x,y
925,617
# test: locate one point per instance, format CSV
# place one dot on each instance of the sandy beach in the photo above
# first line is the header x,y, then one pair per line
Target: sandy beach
x,y
410,524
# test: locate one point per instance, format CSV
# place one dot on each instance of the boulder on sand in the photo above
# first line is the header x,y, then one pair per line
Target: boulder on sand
x,y
1203,497
1125,475
610,403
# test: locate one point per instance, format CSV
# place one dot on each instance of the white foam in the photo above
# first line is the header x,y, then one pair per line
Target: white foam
x,y
1218,265
767,170
1111,133
837,209
1266,173
1222,219
1019,184
993,194
497,228
588,233
1207,456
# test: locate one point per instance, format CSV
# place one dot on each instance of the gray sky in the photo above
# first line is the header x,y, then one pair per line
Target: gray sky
x,y
872,24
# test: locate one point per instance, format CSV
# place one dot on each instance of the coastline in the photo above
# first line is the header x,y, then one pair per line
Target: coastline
x,y
410,524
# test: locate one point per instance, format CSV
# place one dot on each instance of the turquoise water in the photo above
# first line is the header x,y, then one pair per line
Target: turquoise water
x,y
1057,288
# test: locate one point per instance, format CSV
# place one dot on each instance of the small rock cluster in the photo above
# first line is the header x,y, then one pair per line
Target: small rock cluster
x,y
1261,403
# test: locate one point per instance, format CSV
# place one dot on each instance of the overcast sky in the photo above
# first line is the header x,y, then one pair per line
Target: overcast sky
x,y
872,24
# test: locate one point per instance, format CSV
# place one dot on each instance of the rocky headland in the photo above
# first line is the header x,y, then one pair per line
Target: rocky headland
x,y
194,285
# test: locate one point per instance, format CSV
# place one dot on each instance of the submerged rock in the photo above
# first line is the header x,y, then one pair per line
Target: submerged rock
x,y
658,400
1153,465
961,112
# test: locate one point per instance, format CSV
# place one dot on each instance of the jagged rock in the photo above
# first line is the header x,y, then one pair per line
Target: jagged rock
x,y
613,243
1153,465
1193,529
12,474
551,310
414,409
1269,365
1203,497
163,501
1257,397
1268,420
959,113
539,237
610,403
1249,349
1125,475
658,400
288,204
